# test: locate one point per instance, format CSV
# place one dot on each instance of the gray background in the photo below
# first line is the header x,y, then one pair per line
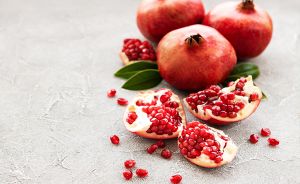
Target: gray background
x,y
57,60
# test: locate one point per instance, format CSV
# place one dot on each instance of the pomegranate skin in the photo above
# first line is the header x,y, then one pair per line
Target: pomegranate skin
x,y
249,30
194,67
155,18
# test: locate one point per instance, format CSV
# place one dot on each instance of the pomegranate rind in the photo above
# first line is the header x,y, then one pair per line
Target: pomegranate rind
x,y
142,123
125,59
249,108
229,153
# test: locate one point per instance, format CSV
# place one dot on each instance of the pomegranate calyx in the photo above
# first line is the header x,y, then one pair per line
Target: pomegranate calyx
x,y
248,4
197,38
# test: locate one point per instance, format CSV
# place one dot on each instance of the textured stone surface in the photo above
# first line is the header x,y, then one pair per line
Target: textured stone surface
x,y
56,64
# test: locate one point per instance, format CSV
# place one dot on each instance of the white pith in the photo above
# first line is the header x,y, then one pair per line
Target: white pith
x,y
125,59
249,108
143,123
229,152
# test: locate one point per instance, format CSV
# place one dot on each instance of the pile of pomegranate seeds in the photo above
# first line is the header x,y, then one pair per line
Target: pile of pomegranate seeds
x,y
197,139
176,179
122,101
273,141
115,139
111,93
253,138
265,132
135,49
141,173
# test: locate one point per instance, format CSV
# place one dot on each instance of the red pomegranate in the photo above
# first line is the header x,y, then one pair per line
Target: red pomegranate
x,y
247,27
224,106
195,57
156,115
155,18
206,146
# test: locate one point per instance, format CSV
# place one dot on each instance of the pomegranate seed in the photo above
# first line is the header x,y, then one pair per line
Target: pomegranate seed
x,y
176,179
253,97
115,139
111,93
127,175
129,163
265,132
152,148
122,101
273,141
141,173
166,153
253,138
132,116
135,49
160,144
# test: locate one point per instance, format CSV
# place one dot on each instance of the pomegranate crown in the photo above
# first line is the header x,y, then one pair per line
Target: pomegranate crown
x,y
194,39
247,4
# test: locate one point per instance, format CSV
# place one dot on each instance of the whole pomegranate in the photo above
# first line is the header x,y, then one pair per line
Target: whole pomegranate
x,y
155,18
195,57
247,27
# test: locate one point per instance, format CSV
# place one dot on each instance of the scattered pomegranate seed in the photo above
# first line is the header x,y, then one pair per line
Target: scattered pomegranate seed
x,y
160,144
152,148
253,138
129,164
114,139
176,179
166,153
273,141
265,132
122,101
141,173
111,93
127,175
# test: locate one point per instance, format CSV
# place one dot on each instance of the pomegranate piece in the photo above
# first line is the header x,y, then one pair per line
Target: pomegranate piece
x,y
156,18
134,50
206,146
247,27
194,57
265,132
129,164
176,179
166,153
160,144
152,148
224,106
141,173
253,138
273,141
122,101
127,175
111,93
115,139
155,114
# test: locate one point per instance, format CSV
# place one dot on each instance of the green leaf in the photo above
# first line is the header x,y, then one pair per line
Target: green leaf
x,y
243,70
143,80
129,70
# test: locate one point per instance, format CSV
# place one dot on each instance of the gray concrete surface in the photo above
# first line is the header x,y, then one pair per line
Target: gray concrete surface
x,y
57,60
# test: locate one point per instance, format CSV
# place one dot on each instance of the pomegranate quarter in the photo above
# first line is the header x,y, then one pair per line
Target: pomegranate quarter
x,y
194,57
206,146
224,106
155,114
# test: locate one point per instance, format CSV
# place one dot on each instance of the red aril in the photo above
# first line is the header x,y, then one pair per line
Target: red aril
x,y
194,57
115,139
224,106
253,138
152,148
134,50
122,101
141,173
127,175
176,179
166,153
111,93
155,114
129,164
160,144
155,18
265,132
206,146
247,27
273,141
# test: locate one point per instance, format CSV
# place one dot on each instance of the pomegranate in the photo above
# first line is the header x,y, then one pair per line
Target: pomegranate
x,y
247,27
134,50
176,179
155,114
195,57
253,138
206,146
224,106
155,18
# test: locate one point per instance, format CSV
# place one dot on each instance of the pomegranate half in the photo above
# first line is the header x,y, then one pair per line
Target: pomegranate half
x,y
224,106
206,146
247,27
155,114
155,18
194,57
